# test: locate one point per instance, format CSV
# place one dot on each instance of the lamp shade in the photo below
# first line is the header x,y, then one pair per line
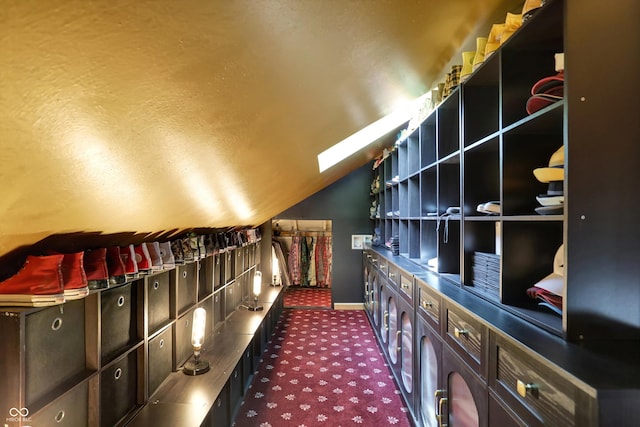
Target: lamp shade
x,y
199,323
257,283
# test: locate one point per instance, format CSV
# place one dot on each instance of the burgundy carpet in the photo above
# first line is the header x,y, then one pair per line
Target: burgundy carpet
x,y
307,297
323,368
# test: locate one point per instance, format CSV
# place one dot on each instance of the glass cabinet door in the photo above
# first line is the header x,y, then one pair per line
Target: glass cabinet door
x,y
393,329
406,352
467,396
429,367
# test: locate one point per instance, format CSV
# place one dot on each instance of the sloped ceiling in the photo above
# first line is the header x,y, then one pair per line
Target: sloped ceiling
x,y
132,116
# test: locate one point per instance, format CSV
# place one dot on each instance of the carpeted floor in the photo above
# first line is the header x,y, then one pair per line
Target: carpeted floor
x,y
307,297
323,367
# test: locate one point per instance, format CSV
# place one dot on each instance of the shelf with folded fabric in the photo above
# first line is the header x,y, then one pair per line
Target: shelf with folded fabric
x,y
481,100
527,57
482,248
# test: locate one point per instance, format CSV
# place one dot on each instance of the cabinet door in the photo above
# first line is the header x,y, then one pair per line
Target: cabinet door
x,y
466,404
383,326
429,372
393,329
404,346
375,299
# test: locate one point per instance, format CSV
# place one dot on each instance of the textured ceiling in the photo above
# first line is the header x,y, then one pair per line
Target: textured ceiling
x,y
146,116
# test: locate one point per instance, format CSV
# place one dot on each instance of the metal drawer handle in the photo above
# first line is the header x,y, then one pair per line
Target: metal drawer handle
x,y
524,388
405,286
427,304
59,416
392,274
385,321
398,340
117,374
56,324
460,332
120,301
440,400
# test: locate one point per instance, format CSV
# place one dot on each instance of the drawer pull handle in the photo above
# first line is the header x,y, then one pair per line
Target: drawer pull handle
x,y
427,304
460,332
120,301
392,274
56,324
385,320
59,416
524,388
399,341
440,400
117,374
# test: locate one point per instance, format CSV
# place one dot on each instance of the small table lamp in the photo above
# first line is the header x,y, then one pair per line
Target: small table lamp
x,y
257,287
197,366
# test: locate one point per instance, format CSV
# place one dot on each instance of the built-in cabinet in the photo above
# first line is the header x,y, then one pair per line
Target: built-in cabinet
x,y
480,145
108,358
459,361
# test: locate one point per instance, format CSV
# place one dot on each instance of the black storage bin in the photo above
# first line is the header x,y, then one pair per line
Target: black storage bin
x,y
218,272
218,309
229,273
118,389
119,320
230,300
55,349
158,298
206,271
183,347
187,285
69,410
160,359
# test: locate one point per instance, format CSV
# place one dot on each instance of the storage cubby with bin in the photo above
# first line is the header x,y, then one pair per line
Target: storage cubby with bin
x,y
101,360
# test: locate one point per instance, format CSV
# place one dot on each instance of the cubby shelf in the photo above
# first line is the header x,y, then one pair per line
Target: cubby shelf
x,y
480,145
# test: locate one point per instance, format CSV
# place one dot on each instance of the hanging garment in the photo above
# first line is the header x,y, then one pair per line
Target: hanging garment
x,y
323,261
319,255
295,260
304,262
312,263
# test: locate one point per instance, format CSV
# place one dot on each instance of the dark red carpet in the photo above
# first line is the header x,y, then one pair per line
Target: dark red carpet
x,y
323,367
307,297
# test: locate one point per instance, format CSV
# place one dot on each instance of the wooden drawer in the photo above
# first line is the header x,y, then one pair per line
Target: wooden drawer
x,y
71,409
429,304
406,286
394,275
466,333
383,266
160,359
543,396
158,297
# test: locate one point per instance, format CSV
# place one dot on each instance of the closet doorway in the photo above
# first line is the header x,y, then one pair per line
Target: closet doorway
x,y
306,249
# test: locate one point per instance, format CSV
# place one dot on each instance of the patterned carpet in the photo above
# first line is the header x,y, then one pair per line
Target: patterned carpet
x,y
307,297
323,367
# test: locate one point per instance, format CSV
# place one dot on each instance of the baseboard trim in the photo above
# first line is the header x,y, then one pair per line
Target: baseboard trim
x,y
348,306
